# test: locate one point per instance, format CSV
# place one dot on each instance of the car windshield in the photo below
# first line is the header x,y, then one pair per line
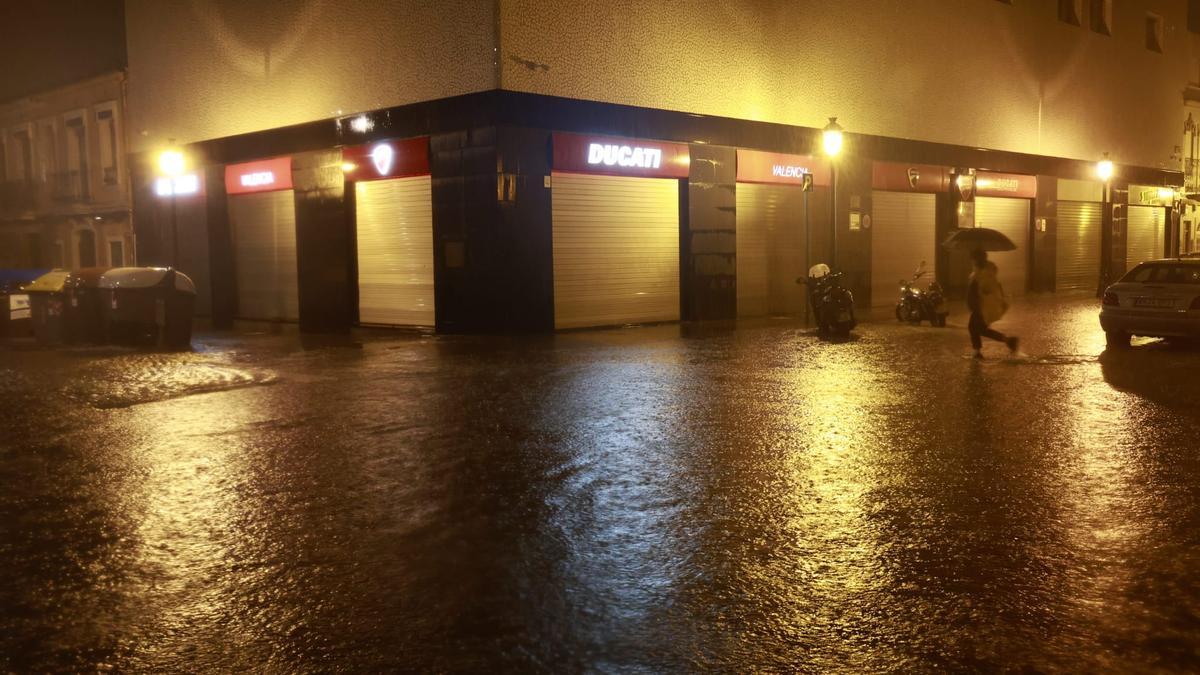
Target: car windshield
x,y
1164,273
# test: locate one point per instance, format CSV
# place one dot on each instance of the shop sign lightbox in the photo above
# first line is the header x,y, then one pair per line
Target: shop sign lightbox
x,y
754,166
183,185
263,175
387,159
910,177
578,153
992,184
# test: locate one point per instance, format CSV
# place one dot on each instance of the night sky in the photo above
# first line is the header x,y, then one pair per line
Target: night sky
x,y
49,43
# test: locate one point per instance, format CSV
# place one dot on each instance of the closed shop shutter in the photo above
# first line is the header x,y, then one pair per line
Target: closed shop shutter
x,y
1010,216
395,251
1077,246
902,235
263,226
1145,241
616,250
770,249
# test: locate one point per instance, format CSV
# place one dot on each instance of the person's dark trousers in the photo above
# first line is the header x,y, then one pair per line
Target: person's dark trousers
x,y
978,329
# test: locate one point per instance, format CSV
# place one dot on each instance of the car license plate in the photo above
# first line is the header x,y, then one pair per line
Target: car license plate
x,y
1166,303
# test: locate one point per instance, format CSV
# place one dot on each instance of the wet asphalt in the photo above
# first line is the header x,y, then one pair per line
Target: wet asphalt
x,y
740,497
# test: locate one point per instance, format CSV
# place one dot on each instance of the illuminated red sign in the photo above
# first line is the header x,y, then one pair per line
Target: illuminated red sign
x,y
754,166
387,159
910,177
620,156
991,184
262,176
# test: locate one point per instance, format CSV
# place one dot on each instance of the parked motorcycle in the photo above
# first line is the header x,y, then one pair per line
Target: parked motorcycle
x,y
832,304
916,305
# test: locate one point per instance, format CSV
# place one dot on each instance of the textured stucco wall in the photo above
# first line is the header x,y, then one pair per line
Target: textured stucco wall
x,y
201,69
969,72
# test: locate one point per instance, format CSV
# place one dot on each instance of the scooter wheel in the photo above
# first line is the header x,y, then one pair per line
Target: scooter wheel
x,y
900,313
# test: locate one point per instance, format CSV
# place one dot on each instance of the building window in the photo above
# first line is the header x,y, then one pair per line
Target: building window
x,y
87,248
23,156
1070,11
106,124
1193,16
1102,16
34,242
1154,33
116,253
47,152
76,174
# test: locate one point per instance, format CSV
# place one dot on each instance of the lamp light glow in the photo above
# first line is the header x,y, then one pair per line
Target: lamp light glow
x,y
171,162
1104,168
831,137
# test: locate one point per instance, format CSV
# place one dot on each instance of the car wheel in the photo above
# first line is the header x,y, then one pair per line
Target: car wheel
x,y
1116,339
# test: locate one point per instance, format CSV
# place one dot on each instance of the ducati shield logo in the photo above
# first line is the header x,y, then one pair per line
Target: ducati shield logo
x,y
382,157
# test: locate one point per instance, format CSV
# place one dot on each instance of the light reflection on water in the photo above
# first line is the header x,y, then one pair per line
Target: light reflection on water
x,y
658,500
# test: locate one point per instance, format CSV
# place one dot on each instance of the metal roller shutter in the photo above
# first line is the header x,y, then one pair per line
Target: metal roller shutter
x,y
1077,246
263,226
1010,216
1145,241
395,251
770,249
616,250
902,235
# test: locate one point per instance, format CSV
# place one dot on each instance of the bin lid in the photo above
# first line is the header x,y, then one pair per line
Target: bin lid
x,y
88,277
144,277
50,282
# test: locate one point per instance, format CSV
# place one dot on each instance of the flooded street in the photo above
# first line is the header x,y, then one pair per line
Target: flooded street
x,y
668,498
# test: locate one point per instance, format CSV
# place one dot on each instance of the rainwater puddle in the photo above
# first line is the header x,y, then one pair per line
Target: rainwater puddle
x,y
157,378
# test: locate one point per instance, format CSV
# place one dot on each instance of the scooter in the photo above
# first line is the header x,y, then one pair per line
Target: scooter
x,y
832,304
916,305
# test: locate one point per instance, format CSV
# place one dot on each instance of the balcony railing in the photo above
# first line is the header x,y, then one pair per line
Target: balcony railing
x,y
69,186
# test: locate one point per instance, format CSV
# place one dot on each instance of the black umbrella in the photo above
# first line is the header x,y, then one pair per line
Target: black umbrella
x,y
979,238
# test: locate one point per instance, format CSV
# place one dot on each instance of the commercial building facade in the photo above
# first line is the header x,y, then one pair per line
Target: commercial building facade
x,y
64,181
517,165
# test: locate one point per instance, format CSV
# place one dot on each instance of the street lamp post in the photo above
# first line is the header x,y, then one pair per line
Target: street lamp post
x,y
171,164
1104,171
831,139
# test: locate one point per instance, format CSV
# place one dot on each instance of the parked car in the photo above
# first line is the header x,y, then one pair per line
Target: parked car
x,y
1158,298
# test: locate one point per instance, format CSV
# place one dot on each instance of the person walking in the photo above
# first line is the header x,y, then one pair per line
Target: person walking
x,y
985,299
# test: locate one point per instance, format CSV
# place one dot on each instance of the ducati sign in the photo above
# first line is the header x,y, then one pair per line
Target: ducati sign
x,y
624,155
578,153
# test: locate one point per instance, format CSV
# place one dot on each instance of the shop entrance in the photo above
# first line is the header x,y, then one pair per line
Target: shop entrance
x,y
616,250
395,251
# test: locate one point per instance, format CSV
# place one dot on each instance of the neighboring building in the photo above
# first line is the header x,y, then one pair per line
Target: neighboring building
x,y
64,186
533,164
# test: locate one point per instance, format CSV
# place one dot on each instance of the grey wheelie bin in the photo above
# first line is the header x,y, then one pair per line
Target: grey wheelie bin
x,y
149,305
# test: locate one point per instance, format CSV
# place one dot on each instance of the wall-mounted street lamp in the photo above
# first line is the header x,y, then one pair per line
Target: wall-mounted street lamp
x,y
172,182
1104,168
831,139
